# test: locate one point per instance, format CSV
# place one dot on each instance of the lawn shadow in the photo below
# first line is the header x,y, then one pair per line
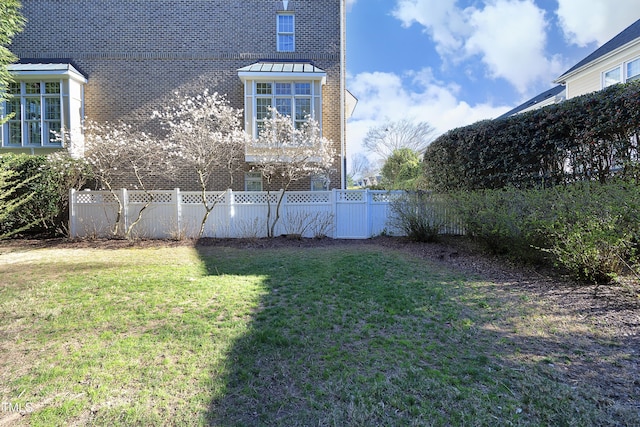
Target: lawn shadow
x,y
353,336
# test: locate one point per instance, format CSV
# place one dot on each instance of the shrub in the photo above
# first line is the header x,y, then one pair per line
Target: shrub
x,y
590,229
416,214
35,192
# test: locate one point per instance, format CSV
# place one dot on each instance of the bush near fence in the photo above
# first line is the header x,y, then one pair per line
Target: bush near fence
x,y
591,230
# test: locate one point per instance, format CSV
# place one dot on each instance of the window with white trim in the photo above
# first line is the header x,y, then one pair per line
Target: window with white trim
x,y
285,28
293,99
253,181
36,114
633,70
611,77
625,72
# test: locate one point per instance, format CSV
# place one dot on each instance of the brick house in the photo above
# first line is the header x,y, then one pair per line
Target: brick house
x,y
115,60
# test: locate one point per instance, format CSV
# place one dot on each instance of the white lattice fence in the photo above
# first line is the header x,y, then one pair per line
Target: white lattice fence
x,y
347,214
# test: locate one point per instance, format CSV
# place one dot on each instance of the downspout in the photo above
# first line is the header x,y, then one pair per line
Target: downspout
x,y
343,142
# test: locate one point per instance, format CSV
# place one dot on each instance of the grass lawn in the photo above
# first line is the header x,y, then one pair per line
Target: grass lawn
x,y
354,335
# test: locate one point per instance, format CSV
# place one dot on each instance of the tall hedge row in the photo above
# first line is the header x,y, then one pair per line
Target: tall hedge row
x,y
590,137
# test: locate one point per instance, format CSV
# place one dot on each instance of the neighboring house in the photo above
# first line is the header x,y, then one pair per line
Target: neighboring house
x,y
112,60
616,61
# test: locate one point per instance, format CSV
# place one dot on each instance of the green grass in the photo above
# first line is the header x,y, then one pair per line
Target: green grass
x,y
220,336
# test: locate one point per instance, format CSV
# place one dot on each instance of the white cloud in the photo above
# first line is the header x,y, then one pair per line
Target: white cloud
x,y
443,21
508,35
596,21
416,96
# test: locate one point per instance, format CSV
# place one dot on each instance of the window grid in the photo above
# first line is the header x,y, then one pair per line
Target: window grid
x,y
293,99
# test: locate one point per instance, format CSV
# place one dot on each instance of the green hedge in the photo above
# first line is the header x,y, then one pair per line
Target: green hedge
x,y
590,229
591,137
35,192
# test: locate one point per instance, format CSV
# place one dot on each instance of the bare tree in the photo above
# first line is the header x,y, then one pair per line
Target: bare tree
x,y
391,136
121,155
360,166
286,153
205,133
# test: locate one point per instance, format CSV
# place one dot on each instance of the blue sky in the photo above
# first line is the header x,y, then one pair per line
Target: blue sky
x,y
454,62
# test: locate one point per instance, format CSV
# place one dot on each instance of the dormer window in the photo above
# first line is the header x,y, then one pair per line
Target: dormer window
x,y
286,32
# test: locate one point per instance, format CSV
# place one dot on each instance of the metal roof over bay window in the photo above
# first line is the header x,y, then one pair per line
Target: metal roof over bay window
x,y
282,71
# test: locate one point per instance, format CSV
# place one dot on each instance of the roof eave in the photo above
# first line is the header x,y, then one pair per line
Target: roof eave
x,y
564,77
280,76
29,71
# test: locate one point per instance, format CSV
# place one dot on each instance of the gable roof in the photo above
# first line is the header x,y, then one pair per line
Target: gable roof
x,y
544,96
629,34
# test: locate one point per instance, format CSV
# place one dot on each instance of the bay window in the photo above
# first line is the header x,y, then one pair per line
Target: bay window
x,y
294,89
45,106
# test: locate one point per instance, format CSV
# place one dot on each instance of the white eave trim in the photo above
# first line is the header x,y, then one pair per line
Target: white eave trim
x,y
563,78
45,71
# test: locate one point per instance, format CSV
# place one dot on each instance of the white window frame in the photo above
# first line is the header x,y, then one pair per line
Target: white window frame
x,y
40,118
288,34
254,178
626,70
604,77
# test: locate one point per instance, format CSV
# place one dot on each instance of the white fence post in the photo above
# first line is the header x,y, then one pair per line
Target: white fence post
x,y
124,197
334,211
178,207
230,213
72,214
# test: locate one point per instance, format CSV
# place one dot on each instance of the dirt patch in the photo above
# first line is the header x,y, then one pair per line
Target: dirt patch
x,y
586,336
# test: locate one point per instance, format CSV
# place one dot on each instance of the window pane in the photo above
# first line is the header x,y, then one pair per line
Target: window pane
x,y
15,133
13,106
32,108
283,106
34,133
263,88
285,23
303,108
53,132
262,108
303,88
14,88
283,88
32,88
253,182
52,109
52,87
633,70
612,77
285,43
